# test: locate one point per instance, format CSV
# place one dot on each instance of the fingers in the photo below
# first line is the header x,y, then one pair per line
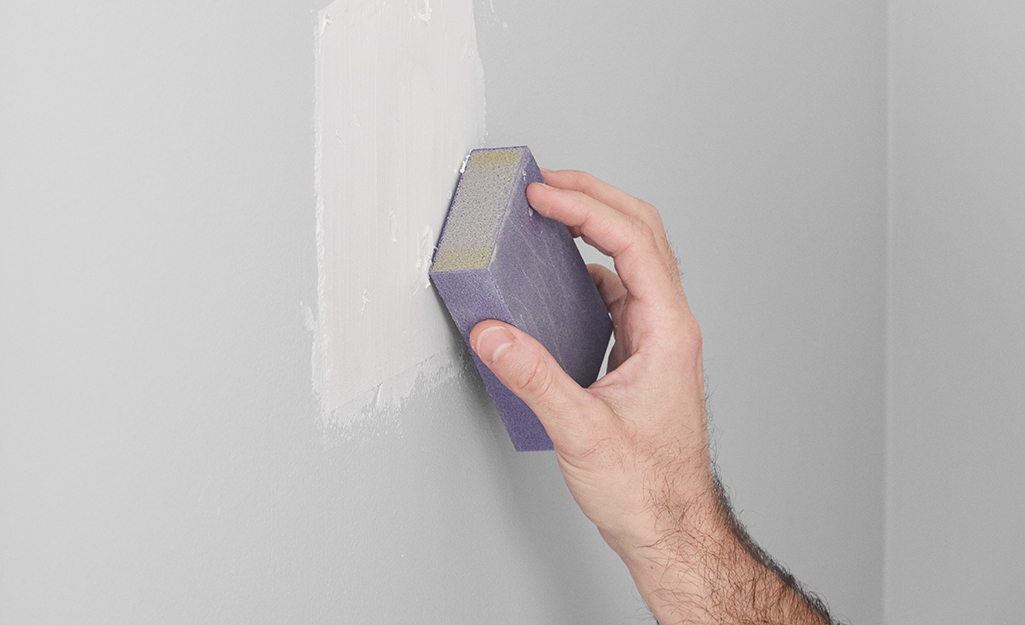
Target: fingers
x,y
629,240
615,296
605,193
526,368
611,289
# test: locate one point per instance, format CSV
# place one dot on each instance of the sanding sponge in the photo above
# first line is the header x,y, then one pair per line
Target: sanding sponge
x,y
499,259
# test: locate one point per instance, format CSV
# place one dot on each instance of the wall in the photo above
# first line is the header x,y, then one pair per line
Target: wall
x,y
400,85
955,553
759,131
162,458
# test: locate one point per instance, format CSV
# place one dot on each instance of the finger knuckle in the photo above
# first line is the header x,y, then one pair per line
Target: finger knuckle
x,y
579,180
535,380
649,213
642,231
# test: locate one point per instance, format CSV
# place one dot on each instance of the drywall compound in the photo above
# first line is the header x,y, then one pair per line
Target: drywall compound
x,y
400,102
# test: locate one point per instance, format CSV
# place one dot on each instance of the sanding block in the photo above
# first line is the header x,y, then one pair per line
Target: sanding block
x,y
497,258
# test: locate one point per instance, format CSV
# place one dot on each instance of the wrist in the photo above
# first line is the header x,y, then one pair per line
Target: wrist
x,y
706,569
675,570
670,546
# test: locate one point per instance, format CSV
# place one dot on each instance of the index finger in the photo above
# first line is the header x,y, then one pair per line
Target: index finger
x,y
629,240
613,197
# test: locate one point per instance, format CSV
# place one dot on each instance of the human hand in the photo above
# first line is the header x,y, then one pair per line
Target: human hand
x,y
633,447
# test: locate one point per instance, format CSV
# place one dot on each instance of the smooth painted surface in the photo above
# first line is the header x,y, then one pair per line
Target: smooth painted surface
x,y
161,454
956,553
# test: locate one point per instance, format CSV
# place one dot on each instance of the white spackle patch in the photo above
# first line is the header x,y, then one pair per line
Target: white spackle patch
x,y
424,257
401,100
379,411
325,21
393,222
423,10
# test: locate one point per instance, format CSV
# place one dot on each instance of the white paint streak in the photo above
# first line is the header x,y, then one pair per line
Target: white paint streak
x,y
400,89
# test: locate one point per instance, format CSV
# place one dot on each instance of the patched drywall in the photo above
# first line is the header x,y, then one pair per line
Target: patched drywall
x,y
160,457
400,102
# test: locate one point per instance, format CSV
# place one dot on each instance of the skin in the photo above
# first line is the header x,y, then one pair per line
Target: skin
x,y
633,447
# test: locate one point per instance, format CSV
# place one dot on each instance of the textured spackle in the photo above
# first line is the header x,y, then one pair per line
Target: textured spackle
x,y
423,10
325,21
426,253
379,410
399,104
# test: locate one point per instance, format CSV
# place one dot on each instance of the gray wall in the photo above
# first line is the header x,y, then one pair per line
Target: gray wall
x,y
956,505
160,457
759,131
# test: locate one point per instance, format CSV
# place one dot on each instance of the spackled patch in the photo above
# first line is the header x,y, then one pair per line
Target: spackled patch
x,y
423,10
400,98
423,261
379,411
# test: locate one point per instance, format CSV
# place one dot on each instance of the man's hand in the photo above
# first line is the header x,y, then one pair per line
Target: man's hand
x,y
633,447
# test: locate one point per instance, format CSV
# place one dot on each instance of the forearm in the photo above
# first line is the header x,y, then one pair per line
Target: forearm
x,y
706,569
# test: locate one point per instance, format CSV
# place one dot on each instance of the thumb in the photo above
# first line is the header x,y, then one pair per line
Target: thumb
x,y
526,368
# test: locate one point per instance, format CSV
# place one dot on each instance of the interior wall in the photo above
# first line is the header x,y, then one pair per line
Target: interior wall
x,y
758,129
955,553
161,454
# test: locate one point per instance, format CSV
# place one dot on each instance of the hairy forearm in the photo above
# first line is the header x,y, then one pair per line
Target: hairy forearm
x,y
706,569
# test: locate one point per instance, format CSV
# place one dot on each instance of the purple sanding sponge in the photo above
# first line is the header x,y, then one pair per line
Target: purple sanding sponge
x,y
500,259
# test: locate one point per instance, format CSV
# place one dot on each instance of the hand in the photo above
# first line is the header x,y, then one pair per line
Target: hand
x,y
633,447
634,442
